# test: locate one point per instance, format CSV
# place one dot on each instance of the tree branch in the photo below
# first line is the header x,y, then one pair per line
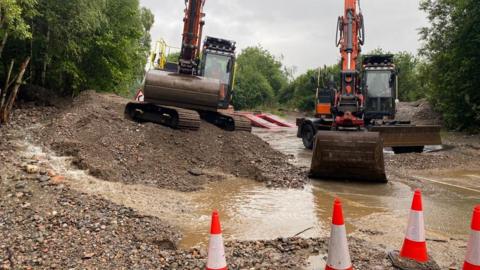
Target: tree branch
x,y
7,82
7,108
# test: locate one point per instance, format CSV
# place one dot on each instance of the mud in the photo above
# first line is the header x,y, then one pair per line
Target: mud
x,y
448,176
94,131
163,227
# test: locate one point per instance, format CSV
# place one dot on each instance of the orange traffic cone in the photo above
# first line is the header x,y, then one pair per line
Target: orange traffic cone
x,y
338,254
216,250
414,245
472,260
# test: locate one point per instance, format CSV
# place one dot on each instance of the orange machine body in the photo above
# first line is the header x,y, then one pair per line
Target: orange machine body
x,y
192,37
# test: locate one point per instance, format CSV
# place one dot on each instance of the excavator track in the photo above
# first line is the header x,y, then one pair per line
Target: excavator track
x,y
173,117
241,123
345,155
227,121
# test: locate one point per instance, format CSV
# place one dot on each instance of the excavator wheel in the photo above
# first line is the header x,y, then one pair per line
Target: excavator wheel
x,y
308,136
345,155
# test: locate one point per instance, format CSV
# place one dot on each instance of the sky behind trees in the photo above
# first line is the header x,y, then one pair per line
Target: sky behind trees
x,y
303,31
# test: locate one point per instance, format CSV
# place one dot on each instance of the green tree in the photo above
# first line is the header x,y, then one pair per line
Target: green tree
x,y
80,44
409,83
301,92
259,79
13,15
451,49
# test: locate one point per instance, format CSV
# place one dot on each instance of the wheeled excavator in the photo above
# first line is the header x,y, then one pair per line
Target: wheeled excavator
x,y
354,123
198,87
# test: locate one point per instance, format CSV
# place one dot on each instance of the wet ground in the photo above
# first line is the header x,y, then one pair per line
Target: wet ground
x,y
251,211
378,213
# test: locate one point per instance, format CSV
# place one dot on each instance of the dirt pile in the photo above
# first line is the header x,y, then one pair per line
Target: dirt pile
x,y
419,112
45,224
112,148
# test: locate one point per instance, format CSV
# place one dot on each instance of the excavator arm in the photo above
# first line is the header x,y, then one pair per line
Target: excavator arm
x,y
349,101
348,152
192,37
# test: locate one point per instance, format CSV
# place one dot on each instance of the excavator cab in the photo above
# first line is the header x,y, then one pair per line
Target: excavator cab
x,y
379,83
218,62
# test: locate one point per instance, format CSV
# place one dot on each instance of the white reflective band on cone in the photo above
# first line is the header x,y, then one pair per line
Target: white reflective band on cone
x,y
416,227
473,252
216,253
338,255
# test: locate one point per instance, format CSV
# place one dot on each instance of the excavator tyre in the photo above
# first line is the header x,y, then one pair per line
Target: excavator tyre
x,y
346,155
183,91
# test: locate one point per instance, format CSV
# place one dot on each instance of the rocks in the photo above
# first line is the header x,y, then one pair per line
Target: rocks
x,y
156,155
406,264
31,169
195,172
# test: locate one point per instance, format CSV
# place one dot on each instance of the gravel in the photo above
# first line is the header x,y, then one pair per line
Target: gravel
x,y
112,148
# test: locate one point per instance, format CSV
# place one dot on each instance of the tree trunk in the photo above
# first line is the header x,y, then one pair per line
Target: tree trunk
x,y
3,93
2,45
45,59
12,95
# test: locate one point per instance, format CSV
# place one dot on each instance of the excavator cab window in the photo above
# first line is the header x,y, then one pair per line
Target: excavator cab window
x,y
218,67
379,84
380,95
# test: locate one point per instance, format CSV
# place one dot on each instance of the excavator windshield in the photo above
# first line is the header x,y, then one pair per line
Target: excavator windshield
x,y
379,84
217,67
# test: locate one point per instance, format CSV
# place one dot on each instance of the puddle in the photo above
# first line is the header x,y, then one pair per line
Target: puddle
x,y
449,203
250,211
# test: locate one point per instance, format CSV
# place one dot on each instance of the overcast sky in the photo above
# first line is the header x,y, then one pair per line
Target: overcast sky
x,y
303,31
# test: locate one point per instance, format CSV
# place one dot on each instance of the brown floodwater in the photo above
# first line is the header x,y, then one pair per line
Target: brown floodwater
x,y
251,211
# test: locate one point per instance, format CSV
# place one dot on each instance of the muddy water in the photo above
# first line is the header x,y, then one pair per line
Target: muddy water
x,y
249,210
449,196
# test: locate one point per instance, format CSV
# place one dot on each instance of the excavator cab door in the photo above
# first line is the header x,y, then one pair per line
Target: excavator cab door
x,y
219,66
380,89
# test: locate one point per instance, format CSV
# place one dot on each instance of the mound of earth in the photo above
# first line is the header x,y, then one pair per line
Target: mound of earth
x,y
44,224
419,112
94,131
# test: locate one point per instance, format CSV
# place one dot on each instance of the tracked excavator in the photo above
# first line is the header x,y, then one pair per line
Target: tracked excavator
x,y
198,87
354,123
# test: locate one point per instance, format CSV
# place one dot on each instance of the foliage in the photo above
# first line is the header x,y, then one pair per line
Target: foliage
x,y
173,57
410,87
300,93
259,78
13,15
83,44
451,49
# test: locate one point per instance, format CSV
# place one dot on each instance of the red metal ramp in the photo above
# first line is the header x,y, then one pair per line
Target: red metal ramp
x,y
276,120
259,122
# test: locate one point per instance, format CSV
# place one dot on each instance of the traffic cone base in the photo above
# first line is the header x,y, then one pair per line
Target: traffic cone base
x,y
472,259
414,246
414,250
216,250
338,254
469,266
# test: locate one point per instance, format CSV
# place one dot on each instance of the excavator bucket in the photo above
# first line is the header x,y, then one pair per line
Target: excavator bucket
x,y
348,156
409,135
